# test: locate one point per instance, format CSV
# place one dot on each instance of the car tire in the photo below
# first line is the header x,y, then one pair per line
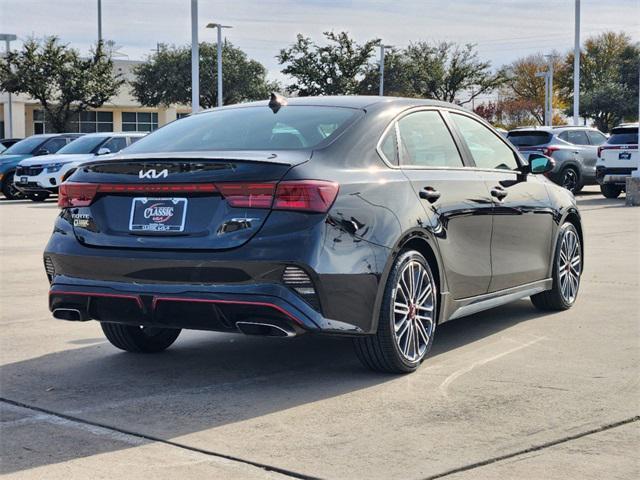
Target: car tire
x,y
567,269
407,321
570,179
9,190
38,197
138,339
610,191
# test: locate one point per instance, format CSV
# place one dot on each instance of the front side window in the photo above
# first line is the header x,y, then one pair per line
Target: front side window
x,y
426,141
55,144
487,149
115,144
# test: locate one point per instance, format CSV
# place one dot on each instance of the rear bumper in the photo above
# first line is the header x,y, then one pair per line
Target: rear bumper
x,y
185,306
613,175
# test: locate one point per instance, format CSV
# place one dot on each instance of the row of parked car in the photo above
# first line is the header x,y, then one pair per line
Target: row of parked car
x,y
35,167
583,155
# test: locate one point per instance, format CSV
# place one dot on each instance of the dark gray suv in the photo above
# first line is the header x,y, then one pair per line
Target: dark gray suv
x,y
574,149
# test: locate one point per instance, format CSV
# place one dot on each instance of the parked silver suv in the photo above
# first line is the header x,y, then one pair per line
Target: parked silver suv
x,y
574,149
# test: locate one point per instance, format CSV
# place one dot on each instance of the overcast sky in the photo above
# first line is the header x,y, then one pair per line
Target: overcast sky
x,y
502,29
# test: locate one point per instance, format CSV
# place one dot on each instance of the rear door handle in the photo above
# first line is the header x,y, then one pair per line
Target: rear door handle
x,y
499,193
430,194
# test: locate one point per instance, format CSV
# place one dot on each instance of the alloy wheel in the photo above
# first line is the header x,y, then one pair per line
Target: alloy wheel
x,y
570,179
413,310
569,266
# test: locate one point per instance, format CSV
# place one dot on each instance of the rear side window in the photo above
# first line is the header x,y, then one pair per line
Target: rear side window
x,y
250,128
526,138
623,136
577,137
389,146
426,141
596,138
487,149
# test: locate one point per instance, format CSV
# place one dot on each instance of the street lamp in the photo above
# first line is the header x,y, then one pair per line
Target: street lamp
x,y
195,59
219,26
382,47
576,67
8,38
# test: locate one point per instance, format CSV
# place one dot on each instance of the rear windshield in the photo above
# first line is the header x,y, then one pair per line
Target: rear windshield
x,y
623,136
528,138
82,145
250,128
24,146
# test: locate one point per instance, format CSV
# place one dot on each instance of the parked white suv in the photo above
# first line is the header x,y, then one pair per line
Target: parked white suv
x,y
617,158
38,177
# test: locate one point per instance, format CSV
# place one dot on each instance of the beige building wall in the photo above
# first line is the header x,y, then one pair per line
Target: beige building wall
x,y
23,107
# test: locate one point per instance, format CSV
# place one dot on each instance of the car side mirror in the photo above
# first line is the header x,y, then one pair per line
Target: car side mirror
x,y
539,163
103,151
42,151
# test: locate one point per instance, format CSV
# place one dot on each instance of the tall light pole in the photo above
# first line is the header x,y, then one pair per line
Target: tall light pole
x,y
195,59
8,38
576,68
550,60
545,75
219,27
99,21
382,52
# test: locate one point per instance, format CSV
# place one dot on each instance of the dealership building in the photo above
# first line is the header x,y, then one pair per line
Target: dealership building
x,y
121,114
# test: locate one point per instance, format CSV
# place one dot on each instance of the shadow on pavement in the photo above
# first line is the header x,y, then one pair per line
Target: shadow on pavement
x,y
204,381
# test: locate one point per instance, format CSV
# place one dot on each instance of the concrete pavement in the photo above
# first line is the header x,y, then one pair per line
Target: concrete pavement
x,y
509,393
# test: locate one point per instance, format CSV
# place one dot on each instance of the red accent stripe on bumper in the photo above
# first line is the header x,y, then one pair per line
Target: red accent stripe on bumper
x,y
179,299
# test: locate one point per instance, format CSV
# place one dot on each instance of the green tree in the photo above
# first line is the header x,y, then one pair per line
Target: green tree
x,y
165,78
63,82
336,68
609,65
442,71
396,78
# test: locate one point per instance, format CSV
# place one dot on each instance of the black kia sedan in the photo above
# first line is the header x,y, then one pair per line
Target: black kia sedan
x,y
373,217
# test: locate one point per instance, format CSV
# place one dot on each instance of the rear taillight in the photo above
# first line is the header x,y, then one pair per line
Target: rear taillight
x,y
248,195
76,194
608,147
299,195
305,195
82,194
548,151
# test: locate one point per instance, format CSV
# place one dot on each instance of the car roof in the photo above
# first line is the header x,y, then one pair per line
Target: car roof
x,y
348,101
115,134
552,129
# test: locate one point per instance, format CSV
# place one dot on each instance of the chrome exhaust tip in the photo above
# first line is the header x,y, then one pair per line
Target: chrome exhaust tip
x,y
264,329
72,314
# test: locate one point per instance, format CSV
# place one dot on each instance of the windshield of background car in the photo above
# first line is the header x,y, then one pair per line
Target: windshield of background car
x,y
82,145
24,146
528,138
624,136
250,128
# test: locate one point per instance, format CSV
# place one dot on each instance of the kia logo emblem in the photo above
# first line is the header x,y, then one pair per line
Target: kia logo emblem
x,y
153,173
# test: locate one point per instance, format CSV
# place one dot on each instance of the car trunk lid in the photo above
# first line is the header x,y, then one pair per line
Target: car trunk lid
x,y
187,201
